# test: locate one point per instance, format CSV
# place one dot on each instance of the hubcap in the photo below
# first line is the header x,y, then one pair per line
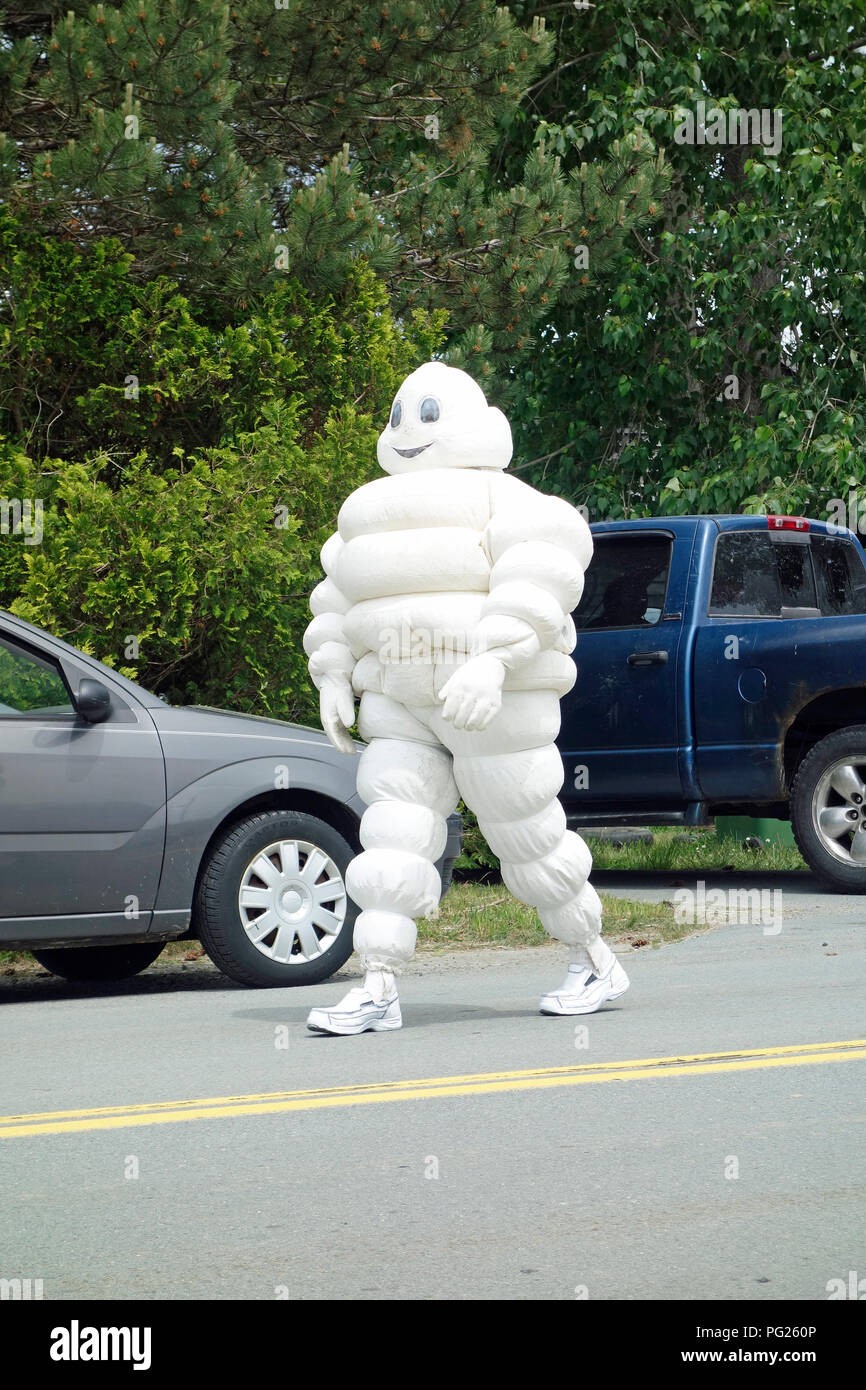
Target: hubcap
x,y
292,901
839,811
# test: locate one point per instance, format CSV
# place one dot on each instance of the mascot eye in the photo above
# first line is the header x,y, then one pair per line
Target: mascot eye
x,y
429,410
396,415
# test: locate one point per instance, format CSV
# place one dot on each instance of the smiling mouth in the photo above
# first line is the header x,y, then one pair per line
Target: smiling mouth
x,y
411,453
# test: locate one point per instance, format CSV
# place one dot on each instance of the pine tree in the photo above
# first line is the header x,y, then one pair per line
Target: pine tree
x,y
225,144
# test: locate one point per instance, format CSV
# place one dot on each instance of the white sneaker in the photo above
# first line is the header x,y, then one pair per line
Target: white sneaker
x,y
358,1012
582,991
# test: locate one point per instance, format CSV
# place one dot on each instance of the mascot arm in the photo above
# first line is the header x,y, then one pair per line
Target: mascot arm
x,y
331,661
537,556
538,551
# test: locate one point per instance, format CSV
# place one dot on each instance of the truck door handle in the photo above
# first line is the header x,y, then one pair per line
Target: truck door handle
x,y
648,658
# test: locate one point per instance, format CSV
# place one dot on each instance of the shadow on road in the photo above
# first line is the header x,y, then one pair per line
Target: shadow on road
x,y
33,985
426,1015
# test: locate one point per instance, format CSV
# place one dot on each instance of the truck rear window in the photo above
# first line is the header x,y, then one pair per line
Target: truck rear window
x,y
787,575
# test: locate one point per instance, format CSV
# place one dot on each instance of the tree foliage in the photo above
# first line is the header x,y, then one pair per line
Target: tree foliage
x,y
227,145
182,548
723,366
230,230
193,580
93,360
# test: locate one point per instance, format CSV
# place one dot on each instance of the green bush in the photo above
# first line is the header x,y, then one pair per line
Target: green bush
x,y
182,534
476,860
192,580
92,361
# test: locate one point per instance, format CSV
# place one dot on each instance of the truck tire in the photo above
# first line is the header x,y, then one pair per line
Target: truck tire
x,y
99,962
828,810
271,907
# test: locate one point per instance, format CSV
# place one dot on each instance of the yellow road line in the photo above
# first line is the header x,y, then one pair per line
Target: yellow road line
x,y
431,1087
641,1062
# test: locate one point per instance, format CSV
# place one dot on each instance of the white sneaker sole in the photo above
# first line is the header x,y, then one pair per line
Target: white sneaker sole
x,y
349,1028
552,1005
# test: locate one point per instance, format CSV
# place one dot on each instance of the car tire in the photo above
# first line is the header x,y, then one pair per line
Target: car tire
x,y
264,870
818,807
100,962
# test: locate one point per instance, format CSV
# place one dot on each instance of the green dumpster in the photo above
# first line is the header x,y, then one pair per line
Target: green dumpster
x,y
739,828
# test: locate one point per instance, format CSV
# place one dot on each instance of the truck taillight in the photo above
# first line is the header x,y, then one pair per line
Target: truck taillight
x,y
787,523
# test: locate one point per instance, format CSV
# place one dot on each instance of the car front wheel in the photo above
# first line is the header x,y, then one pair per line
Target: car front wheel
x,y
271,906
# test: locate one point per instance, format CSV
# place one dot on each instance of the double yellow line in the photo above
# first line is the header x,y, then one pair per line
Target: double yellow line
x,y
427,1088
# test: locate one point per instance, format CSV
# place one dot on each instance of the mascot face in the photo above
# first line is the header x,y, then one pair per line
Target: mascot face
x,y
440,419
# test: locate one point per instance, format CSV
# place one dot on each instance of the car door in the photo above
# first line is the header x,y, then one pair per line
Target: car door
x,y
82,806
619,738
757,660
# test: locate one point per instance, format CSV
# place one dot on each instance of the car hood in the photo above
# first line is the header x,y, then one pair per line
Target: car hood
x,y
206,719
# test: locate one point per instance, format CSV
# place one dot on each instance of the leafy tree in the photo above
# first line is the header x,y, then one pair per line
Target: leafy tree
x,y
93,360
226,145
229,232
722,366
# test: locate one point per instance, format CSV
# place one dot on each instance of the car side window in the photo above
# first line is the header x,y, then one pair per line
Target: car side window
x,y
626,583
840,576
29,685
757,575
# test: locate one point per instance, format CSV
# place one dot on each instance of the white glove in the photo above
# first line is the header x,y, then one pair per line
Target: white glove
x,y
473,695
337,712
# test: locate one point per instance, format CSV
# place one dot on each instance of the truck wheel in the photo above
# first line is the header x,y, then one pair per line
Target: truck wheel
x,y
828,810
99,962
271,907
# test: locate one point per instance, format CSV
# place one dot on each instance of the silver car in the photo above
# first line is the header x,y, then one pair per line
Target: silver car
x,y
126,822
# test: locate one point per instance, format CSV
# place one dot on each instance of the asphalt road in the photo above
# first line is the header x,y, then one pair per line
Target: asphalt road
x,y
264,1162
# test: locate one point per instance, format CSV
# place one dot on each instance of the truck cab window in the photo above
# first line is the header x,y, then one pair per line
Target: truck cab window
x,y
626,583
762,576
745,580
840,576
794,564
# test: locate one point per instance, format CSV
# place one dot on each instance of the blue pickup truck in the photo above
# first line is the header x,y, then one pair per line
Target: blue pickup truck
x,y
722,671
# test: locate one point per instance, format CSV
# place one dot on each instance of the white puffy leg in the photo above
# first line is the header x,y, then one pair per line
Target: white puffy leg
x,y
405,777
578,923
513,792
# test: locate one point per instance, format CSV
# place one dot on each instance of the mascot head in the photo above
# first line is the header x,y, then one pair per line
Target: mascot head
x,y
440,419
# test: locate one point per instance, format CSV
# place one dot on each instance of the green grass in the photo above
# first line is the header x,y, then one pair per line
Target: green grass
x,y
676,849
486,915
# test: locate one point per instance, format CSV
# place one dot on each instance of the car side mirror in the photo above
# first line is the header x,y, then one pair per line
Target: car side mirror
x,y
93,701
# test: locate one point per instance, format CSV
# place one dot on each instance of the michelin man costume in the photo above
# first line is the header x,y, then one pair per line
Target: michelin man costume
x,y
447,609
